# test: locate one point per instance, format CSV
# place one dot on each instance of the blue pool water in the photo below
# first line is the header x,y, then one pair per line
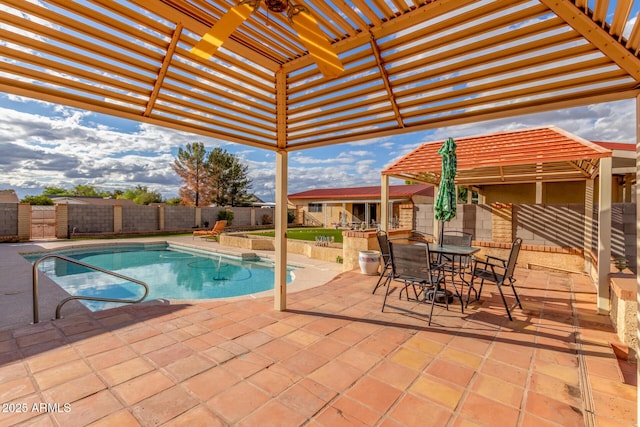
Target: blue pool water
x,y
171,273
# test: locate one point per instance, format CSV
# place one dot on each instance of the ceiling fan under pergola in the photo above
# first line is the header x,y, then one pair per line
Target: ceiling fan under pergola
x,y
300,19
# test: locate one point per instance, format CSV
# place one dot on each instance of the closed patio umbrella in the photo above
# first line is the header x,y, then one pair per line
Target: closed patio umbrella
x,y
445,206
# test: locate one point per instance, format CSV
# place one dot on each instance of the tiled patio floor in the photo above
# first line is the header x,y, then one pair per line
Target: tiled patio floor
x,y
333,359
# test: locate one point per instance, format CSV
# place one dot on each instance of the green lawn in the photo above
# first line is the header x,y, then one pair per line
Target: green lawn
x,y
308,233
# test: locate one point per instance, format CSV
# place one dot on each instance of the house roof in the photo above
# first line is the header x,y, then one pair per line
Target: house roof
x,y
526,155
8,196
365,193
409,65
100,201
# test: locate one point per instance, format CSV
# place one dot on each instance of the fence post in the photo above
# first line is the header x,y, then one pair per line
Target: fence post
x,y
24,221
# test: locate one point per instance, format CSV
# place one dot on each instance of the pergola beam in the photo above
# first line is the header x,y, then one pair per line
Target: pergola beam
x,y
596,34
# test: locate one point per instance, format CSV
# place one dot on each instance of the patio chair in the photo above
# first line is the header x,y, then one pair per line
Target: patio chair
x,y
456,238
217,229
410,263
499,271
383,242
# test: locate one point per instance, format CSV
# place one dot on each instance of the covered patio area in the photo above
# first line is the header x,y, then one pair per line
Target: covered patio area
x,y
331,359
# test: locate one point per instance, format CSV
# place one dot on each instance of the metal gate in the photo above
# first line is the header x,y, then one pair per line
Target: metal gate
x,y
43,222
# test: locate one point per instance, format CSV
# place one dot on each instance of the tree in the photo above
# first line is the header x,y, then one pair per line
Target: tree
x,y
37,200
141,195
228,178
191,166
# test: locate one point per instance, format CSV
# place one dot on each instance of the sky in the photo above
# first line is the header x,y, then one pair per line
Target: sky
x,y
43,144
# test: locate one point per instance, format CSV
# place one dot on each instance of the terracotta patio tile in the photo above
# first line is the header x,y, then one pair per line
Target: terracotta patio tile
x,y
278,349
394,374
499,390
336,375
517,357
346,411
189,366
111,357
46,336
61,374
233,330
461,357
303,338
509,373
451,372
98,344
568,376
21,411
278,329
52,358
16,388
614,388
471,344
349,335
125,371
253,339
170,354
306,397
554,388
275,379
415,411
411,358
486,411
376,346
212,338
117,419
273,414
153,343
436,390
198,416
553,410
613,407
424,346
237,401
75,389
12,371
89,409
375,394
164,406
246,365
137,334
530,420
142,387
304,361
324,326
209,383
360,359
45,420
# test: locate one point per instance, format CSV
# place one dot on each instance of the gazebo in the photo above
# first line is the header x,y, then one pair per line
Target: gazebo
x,y
527,156
402,66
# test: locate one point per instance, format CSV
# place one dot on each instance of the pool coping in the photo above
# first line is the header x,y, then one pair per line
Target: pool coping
x,y
16,301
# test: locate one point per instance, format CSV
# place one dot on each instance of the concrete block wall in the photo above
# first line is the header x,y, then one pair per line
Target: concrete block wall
x,y
209,215
8,219
90,219
179,217
140,218
558,225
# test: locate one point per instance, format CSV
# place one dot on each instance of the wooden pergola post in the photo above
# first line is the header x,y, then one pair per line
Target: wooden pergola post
x,y
604,234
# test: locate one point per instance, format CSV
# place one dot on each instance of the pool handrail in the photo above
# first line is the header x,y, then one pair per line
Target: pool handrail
x,y
80,297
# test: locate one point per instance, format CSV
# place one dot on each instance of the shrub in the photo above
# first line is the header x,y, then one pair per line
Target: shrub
x,y
226,215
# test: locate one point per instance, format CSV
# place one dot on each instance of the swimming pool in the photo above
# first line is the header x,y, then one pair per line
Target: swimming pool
x,y
172,272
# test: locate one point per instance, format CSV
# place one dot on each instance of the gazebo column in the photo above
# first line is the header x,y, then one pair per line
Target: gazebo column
x,y
604,234
588,223
384,203
539,192
637,249
436,223
280,278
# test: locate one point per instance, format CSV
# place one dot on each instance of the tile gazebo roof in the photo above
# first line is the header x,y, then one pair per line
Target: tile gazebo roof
x,y
395,192
529,155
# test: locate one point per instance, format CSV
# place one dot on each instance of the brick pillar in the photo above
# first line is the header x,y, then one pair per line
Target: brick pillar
x,y
24,221
62,221
161,217
117,219
198,217
502,222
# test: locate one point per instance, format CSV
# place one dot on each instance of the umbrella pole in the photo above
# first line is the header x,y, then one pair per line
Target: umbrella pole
x,y
441,238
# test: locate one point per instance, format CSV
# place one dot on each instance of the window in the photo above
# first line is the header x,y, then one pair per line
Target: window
x,y
315,207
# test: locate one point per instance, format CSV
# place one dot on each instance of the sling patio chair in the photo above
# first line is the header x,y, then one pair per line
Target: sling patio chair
x,y
217,229
411,264
383,242
460,264
499,271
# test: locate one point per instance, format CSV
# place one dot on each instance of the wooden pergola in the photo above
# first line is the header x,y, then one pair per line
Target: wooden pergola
x,y
409,65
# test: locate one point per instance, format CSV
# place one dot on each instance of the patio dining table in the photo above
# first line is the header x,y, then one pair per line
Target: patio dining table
x,y
456,253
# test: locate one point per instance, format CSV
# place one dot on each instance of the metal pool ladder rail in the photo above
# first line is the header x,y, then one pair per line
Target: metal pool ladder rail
x,y
80,297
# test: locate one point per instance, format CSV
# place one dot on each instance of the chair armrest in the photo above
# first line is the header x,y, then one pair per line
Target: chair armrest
x,y
501,260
